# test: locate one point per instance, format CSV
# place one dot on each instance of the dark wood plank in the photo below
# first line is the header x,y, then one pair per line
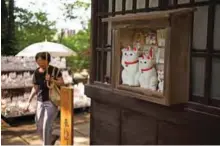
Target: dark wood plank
x,y
106,113
134,6
175,3
94,29
208,63
170,134
105,124
215,111
146,4
123,6
148,16
138,129
179,58
113,7
173,114
163,4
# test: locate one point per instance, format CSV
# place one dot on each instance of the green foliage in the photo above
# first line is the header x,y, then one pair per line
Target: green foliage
x,y
70,8
32,27
79,43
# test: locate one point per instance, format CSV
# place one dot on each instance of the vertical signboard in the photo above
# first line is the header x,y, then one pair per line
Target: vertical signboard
x,y
66,119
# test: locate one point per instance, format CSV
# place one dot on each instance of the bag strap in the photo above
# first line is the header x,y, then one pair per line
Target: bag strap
x,y
58,71
53,72
47,71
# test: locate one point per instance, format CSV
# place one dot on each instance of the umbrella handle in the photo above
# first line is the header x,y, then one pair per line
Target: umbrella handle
x,y
48,85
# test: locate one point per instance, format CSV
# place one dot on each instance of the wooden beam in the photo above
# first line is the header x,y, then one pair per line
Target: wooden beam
x,y
209,46
148,16
94,20
66,118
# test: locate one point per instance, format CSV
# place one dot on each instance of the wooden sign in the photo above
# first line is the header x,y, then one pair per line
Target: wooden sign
x,y
66,118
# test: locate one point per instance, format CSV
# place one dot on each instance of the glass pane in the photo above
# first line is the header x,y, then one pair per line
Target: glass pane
x,y
118,6
128,4
198,76
140,4
217,28
215,91
200,28
142,59
183,1
153,3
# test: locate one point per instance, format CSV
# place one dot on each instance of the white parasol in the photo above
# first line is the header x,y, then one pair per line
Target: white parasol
x,y
55,49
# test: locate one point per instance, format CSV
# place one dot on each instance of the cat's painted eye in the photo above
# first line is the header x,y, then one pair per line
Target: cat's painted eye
x,y
145,62
125,54
131,54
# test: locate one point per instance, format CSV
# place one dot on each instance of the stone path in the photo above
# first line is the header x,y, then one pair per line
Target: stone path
x,y
25,133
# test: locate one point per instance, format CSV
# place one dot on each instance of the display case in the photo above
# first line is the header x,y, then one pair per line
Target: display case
x,y
151,55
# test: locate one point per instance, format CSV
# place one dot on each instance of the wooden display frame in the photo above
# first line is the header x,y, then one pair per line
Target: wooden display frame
x,y
177,61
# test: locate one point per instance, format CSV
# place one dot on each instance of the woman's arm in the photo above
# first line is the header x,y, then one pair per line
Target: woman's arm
x,y
33,93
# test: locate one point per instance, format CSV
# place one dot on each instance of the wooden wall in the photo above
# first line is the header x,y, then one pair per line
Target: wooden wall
x,y
120,119
123,119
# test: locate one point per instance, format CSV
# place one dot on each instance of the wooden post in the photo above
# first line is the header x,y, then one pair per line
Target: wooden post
x,y
66,119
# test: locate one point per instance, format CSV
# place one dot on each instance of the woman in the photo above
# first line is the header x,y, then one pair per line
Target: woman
x,y
46,111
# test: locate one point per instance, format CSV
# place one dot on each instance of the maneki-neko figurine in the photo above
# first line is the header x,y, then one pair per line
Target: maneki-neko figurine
x,y
148,76
129,62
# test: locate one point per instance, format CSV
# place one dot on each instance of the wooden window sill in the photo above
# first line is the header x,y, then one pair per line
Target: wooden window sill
x,y
141,91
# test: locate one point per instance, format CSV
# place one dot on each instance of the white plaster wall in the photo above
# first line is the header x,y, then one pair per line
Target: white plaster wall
x,y
200,28
217,29
198,76
128,5
183,1
215,92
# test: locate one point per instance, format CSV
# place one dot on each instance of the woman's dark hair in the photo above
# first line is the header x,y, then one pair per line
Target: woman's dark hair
x,y
44,56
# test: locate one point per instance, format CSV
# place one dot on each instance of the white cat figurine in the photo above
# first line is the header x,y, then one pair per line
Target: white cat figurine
x,y
129,62
161,80
148,77
138,74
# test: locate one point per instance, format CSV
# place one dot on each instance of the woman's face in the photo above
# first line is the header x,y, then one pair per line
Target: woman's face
x,y
42,63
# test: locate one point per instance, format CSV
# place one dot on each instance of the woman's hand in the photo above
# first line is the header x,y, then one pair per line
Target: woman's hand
x,y
47,77
26,109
